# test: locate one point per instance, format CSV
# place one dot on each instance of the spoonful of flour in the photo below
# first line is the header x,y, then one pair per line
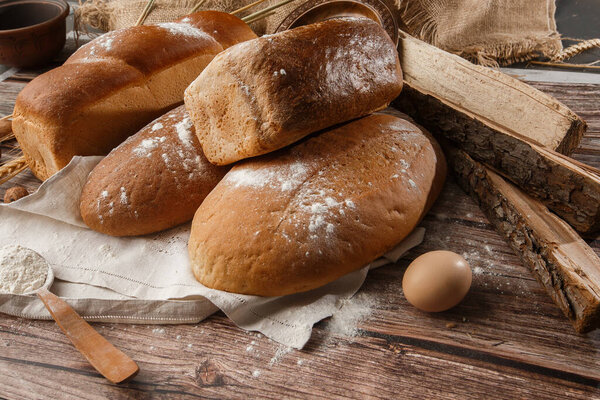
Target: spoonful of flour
x,y
22,270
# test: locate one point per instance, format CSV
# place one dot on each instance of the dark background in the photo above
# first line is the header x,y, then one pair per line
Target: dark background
x,y
579,19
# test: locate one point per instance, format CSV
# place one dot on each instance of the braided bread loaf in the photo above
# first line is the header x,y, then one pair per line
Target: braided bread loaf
x,y
114,85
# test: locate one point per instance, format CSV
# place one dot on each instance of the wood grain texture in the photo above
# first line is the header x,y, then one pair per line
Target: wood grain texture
x,y
497,101
560,260
564,186
506,340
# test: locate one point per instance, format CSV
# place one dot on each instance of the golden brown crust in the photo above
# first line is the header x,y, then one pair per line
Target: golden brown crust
x,y
306,215
124,78
227,29
264,94
153,181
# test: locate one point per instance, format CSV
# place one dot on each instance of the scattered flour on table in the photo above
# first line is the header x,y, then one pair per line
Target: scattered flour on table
x,y
279,354
22,270
477,270
351,312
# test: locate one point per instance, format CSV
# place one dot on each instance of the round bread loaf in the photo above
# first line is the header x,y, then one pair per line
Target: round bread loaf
x,y
153,181
304,216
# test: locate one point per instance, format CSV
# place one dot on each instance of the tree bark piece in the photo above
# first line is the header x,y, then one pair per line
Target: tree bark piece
x,y
560,260
514,132
490,98
569,188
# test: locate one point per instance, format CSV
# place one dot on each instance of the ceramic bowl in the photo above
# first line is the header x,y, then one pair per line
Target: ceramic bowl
x,y
32,32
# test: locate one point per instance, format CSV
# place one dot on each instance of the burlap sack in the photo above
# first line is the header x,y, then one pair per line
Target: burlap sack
x,y
484,32
108,15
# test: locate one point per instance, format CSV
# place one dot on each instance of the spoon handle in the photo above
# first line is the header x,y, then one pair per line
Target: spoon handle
x,y
111,362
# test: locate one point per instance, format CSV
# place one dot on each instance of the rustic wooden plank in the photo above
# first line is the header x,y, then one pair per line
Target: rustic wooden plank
x,y
493,102
8,93
506,305
243,366
570,190
556,255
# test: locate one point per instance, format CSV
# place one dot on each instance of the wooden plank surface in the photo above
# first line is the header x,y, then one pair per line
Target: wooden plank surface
x,y
506,340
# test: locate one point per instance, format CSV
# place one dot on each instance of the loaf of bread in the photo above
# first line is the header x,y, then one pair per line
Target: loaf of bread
x,y
304,216
114,85
264,94
153,181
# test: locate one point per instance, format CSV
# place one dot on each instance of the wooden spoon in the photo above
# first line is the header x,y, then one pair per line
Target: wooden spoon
x,y
111,362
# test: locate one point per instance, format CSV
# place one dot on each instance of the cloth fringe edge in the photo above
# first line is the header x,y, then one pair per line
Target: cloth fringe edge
x,y
419,22
510,52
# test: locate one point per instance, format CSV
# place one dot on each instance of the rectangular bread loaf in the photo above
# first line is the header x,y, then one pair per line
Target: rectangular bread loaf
x,y
114,85
264,94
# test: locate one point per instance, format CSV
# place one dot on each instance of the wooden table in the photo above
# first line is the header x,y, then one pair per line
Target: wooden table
x,y
505,340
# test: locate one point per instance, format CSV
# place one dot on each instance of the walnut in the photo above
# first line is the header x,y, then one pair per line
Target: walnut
x,y
15,193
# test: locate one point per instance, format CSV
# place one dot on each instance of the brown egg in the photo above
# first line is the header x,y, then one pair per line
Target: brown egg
x,y
436,281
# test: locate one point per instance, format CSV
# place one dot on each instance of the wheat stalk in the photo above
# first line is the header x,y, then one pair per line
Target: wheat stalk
x,y
12,169
197,6
6,117
239,10
249,21
145,12
575,49
263,13
8,137
565,65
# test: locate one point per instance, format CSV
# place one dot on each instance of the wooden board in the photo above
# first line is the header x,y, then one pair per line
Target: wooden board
x,y
506,340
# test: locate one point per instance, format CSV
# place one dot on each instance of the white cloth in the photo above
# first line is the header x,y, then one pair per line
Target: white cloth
x,y
148,279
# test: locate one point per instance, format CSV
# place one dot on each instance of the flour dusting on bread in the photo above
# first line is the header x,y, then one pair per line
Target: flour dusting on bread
x,y
183,29
323,211
147,145
154,180
184,131
284,177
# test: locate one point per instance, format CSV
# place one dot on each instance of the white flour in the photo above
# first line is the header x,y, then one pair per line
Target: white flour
x,y
285,178
351,312
22,270
183,130
184,29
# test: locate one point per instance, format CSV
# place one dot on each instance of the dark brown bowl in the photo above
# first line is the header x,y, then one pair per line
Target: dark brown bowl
x,y
32,32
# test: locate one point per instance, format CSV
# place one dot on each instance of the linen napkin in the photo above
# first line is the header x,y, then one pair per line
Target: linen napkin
x,y
147,279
